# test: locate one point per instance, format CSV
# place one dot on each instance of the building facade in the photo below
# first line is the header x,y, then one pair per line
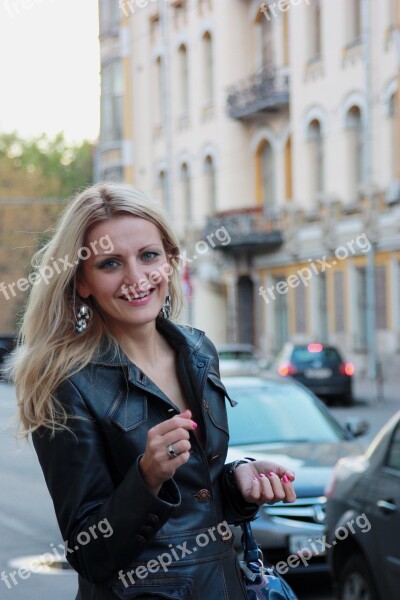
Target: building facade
x,y
270,133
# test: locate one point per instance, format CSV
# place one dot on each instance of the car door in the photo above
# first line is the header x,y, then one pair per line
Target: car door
x,y
385,506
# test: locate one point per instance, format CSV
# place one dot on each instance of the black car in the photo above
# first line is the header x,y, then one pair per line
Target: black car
x,y
280,420
7,344
319,367
363,520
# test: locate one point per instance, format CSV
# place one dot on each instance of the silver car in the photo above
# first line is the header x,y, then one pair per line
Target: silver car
x,y
280,420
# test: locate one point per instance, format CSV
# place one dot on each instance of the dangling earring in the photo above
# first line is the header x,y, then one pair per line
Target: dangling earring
x,y
82,317
166,307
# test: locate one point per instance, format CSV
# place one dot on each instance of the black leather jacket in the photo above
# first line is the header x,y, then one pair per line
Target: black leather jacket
x,y
124,541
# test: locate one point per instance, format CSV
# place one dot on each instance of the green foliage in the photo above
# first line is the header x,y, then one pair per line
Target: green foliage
x,y
43,167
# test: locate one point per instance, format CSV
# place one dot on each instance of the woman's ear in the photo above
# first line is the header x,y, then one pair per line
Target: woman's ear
x,y
82,288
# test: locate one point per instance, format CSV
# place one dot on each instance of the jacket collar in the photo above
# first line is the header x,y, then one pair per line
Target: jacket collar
x,y
179,336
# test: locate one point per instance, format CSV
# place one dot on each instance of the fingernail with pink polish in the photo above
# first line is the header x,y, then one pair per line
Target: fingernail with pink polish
x,y
261,475
271,474
255,479
195,425
285,479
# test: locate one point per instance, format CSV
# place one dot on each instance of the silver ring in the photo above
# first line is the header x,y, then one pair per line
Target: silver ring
x,y
171,452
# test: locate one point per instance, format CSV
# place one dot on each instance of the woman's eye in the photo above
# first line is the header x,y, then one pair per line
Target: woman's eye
x,y
108,264
150,255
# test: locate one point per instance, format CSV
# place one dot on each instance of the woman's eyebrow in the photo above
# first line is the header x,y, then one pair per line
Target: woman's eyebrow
x,y
116,254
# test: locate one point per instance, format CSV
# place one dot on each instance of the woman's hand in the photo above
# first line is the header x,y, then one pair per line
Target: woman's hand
x,y
156,465
263,482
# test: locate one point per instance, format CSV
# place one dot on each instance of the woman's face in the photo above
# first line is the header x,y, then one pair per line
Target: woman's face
x,y
128,284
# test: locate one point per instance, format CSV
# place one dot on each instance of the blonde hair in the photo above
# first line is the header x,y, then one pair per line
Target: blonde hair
x,y
49,349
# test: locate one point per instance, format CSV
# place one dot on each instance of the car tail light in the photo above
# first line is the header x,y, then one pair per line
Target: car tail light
x,y
347,369
315,347
287,369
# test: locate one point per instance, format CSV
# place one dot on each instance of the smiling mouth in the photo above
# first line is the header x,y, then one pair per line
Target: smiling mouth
x,y
136,295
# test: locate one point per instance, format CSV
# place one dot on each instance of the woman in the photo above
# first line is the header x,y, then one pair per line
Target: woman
x,y
127,411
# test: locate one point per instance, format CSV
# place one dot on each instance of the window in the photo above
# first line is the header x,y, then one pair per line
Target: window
x,y
163,185
380,297
316,159
267,174
210,179
288,170
183,80
300,309
208,68
109,16
354,21
338,280
315,33
393,458
355,158
322,307
180,12
158,92
361,333
393,137
186,193
280,316
111,102
265,42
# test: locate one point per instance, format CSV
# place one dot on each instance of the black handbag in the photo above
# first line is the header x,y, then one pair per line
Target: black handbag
x,y
262,583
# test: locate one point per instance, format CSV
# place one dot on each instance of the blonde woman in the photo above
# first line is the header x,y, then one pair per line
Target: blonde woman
x,y
111,390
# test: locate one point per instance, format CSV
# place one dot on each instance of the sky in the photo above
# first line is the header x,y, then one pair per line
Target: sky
x,y
49,68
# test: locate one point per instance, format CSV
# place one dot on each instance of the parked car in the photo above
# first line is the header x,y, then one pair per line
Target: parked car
x,y
319,367
364,501
7,345
280,420
240,359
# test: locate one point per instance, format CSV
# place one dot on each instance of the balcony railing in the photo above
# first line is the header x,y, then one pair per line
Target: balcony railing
x,y
267,90
250,230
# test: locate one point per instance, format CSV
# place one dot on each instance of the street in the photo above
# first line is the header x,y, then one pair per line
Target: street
x,y
28,526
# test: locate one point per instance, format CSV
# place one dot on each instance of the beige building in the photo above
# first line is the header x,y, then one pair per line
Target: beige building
x,y
269,130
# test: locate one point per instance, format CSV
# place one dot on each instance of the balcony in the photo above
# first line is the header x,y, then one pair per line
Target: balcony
x,y
250,230
266,91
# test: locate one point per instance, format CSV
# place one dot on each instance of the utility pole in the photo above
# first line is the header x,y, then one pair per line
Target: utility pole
x,y
370,269
166,102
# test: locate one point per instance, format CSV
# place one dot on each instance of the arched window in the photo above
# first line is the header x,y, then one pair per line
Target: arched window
x,y
208,68
210,183
316,159
355,144
186,193
266,175
111,101
183,80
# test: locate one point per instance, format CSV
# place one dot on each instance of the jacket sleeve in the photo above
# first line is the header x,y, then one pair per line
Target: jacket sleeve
x,y
104,526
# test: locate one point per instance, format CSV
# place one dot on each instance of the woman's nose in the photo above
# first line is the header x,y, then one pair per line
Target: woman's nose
x,y
135,273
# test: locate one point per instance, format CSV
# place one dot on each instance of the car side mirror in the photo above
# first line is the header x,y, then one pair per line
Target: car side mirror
x,y
357,427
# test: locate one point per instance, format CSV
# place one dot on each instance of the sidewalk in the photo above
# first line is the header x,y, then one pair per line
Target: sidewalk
x,y
376,393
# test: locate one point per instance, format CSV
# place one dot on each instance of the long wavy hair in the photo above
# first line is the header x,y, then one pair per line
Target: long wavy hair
x,y
49,349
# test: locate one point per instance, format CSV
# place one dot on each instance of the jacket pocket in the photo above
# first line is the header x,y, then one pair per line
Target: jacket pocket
x,y
128,412
214,402
169,588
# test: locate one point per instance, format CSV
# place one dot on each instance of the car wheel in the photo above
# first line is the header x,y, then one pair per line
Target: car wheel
x,y
355,581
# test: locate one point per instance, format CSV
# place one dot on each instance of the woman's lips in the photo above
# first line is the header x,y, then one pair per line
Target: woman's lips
x,y
138,298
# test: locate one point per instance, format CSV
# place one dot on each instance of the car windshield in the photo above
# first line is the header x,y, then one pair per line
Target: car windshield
x,y
303,356
273,412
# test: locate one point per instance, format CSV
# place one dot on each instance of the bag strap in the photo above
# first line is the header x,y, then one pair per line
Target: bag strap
x,y
251,552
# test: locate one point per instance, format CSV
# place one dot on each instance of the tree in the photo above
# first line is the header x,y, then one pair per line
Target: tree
x,y
42,167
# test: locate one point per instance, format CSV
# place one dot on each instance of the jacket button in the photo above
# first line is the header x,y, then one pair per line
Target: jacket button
x,y
200,364
140,539
153,519
203,495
